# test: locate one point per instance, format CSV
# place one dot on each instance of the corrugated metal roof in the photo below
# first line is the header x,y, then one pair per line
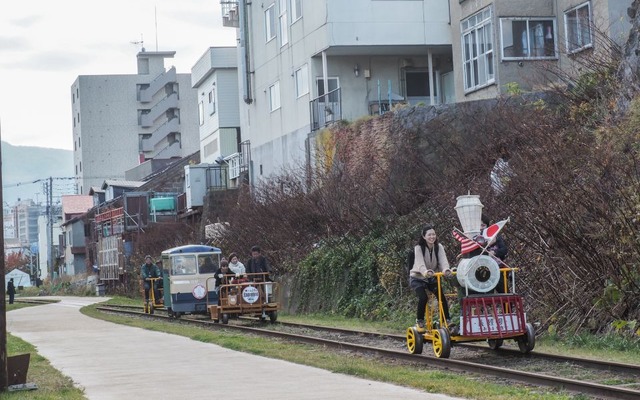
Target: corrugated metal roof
x,y
76,204
127,184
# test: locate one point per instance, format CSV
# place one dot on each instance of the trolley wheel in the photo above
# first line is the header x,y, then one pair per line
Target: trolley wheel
x,y
495,344
415,340
145,307
273,316
441,343
225,318
527,342
170,313
151,309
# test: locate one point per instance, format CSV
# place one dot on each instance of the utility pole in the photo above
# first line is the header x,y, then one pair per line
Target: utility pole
x,y
4,374
50,233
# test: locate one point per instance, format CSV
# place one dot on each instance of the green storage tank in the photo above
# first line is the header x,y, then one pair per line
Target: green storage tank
x,y
159,204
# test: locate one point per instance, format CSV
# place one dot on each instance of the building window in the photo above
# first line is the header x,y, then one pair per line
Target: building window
x,y
274,96
270,22
528,38
477,50
212,102
577,22
296,10
201,112
302,81
284,25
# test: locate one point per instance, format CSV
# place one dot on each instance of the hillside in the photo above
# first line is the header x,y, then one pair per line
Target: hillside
x,y
22,165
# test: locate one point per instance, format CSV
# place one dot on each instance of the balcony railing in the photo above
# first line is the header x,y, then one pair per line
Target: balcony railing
x,y
326,109
230,13
234,161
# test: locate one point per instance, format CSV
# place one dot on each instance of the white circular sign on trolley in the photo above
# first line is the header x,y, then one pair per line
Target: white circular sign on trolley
x,y
250,294
199,292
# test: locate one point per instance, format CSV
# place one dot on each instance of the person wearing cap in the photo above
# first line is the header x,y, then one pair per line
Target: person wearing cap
x,y
150,270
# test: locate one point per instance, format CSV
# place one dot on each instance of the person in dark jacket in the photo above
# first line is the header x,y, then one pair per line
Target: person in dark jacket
x,y
11,290
497,250
150,270
223,273
258,264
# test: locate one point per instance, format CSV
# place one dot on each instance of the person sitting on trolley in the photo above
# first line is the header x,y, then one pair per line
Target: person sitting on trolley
x,y
207,266
498,250
150,270
236,266
223,274
430,257
258,264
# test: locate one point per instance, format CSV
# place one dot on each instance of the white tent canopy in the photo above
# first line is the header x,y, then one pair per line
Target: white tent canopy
x,y
19,278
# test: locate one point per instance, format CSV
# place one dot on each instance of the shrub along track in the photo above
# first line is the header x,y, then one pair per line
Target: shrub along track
x,y
593,377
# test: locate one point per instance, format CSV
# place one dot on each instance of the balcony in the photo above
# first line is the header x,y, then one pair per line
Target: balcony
x,y
326,109
145,95
171,126
171,101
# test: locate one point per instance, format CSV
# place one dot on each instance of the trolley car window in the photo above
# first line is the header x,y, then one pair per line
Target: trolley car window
x,y
183,265
208,263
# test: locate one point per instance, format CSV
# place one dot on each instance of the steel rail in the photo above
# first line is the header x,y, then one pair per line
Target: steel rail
x,y
590,388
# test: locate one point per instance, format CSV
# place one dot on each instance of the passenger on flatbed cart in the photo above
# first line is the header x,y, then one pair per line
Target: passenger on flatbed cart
x,y
236,266
258,263
222,272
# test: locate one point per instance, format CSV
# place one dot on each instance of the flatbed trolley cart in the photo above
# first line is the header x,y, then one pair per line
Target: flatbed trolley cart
x,y
483,316
251,295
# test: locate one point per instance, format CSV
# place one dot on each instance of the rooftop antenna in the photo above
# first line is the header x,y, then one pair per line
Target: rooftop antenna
x,y
140,42
156,20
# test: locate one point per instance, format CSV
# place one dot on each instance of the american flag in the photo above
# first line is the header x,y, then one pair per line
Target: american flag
x,y
467,245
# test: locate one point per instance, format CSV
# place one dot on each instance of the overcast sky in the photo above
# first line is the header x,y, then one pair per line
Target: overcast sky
x,y
45,45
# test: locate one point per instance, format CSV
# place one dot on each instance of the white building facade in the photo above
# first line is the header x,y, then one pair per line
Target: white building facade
x,y
367,54
120,121
527,44
215,79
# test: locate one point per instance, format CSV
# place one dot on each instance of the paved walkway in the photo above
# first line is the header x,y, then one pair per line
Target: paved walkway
x,y
111,361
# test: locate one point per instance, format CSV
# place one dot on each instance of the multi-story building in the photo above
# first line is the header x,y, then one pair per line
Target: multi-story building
x,y
73,234
305,64
25,213
121,121
528,43
215,79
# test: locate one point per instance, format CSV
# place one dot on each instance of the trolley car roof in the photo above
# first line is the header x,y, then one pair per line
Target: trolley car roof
x,y
191,248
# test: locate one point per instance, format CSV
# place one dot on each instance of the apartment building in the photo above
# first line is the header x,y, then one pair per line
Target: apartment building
x,y
121,121
305,64
498,42
215,79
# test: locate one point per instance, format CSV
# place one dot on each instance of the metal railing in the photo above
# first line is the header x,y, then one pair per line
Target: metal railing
x,y
326,109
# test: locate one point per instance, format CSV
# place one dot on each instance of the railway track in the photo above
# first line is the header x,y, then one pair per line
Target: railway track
x,y
479,366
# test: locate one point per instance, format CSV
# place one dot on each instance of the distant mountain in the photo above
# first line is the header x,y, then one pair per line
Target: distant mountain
x,y
26,168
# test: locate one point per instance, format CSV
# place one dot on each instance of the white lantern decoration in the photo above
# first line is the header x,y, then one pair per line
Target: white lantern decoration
x,y
469,209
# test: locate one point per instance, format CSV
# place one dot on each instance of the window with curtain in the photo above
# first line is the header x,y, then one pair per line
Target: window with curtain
x,y
528,38
577,22
302,81
270,22
274,96
284,25
477,50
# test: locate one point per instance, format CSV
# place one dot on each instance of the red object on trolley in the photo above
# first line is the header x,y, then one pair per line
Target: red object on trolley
x,y
492,316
